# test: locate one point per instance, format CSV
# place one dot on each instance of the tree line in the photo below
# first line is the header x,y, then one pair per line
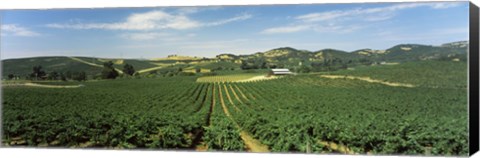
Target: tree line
x,y
108,72
305,66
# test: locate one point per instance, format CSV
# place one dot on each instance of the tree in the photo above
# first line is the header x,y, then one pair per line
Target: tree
x,y
303,69
128,69
153,72
79,76
198,70
63,77
136,74
244,65
68,75
108,71
11,76
53,75
83,76
38,73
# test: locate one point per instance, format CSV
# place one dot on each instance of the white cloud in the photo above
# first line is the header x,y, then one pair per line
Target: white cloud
x,y
383,11
144,36
324,15
192,10
188,10
153,20
15,30
329,28
336,28
340,21
237,18
139,21
286,29
444,5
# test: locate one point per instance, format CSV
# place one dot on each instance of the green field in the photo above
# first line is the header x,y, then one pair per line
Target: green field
x,y
303,113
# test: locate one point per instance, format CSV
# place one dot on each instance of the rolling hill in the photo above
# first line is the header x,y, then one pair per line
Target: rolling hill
x,y
280,57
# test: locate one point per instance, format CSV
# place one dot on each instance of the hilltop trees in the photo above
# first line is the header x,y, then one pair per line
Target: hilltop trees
x,y
255,63
37,73
11,76
108,71
80,76
68,74
303,69
128,69
63,77
53,75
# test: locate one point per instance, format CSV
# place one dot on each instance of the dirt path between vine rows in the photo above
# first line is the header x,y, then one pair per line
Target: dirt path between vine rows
x,y
235,94
337,147
368,79
243,95
229,98
202,146
252,144
212,105
331,145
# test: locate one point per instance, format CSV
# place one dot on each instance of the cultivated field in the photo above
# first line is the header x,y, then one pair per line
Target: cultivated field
x,y
253,77
303,113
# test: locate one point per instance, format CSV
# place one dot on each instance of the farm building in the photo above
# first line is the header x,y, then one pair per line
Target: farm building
x,y
279,72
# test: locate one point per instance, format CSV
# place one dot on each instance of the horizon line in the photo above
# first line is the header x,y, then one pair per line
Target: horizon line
x,y
142,58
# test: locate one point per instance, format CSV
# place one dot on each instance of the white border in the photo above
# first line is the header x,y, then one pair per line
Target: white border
x,y
82,153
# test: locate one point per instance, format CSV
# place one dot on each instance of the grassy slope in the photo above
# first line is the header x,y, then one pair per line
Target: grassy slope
x,y
24,66
137,64
218,64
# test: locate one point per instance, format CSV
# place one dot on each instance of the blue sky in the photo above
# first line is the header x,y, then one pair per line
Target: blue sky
x,y
208,31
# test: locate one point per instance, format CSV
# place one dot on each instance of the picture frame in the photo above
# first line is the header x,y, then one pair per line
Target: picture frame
x,y
227,81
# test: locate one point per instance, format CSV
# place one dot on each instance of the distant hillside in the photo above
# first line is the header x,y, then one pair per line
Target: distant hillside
x,y
406,52
337,59
284,57
119,63
459,44
177,58
23,67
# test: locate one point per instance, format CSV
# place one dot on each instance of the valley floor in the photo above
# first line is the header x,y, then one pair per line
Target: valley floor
x,y
387,109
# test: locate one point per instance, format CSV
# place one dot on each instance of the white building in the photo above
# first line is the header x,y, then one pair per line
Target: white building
x,y
280,72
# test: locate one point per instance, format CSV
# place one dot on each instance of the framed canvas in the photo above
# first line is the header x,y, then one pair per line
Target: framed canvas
x,y
371,79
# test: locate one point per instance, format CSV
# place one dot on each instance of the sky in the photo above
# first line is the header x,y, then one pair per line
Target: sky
x,y
206,31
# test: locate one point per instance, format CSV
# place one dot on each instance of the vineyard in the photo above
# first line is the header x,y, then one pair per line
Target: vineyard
x,y
433,74
303,113
245,77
